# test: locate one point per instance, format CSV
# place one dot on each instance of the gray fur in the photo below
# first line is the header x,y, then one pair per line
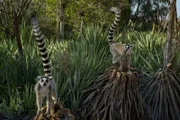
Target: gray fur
x,y
45,88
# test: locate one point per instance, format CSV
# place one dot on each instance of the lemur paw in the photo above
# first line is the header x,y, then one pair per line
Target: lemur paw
x,y
38,112
118,75
47,113
55,102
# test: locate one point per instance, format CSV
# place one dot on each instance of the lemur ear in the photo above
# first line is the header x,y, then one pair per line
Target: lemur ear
x,y
38,78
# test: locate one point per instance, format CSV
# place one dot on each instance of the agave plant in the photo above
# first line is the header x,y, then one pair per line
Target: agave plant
x,y
161,90
114,96
79,64
161,95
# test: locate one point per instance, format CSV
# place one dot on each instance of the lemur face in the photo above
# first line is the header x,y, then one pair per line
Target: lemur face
x,y
43,80
128,47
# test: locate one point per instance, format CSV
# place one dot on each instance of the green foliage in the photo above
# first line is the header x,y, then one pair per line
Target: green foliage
x,y
17,78
77,13
75,63
80,64
146,13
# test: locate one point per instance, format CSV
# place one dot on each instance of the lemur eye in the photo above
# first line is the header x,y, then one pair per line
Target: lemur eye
x,y
42,80
47,81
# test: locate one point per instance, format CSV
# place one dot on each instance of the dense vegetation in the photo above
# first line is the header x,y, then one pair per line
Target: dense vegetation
x,y
76,64
78,50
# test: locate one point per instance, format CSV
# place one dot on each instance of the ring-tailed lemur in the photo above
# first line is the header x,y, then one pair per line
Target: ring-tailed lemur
x,y
45,87
117,50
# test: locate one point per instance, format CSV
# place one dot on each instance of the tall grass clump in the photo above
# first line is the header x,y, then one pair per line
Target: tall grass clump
x,y
77,66
17,75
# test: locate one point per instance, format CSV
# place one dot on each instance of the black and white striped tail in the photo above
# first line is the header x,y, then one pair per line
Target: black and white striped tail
x,y
111,31
42,47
